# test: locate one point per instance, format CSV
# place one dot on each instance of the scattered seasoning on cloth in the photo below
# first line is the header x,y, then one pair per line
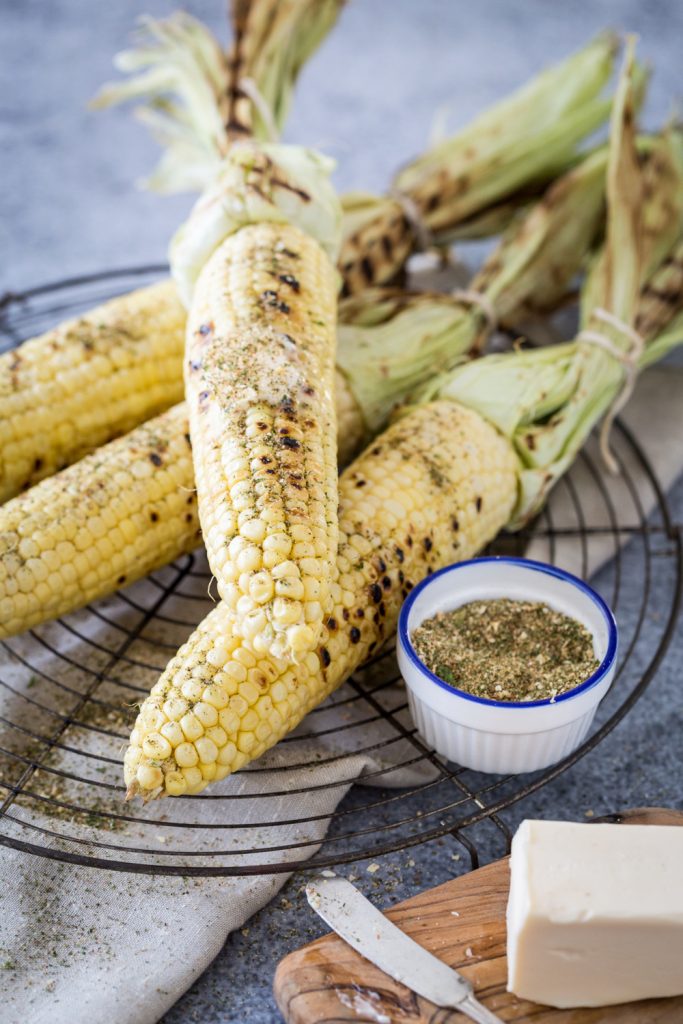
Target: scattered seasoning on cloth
x,y
507,650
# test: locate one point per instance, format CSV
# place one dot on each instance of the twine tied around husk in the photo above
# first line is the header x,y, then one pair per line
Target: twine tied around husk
x,y
629,359
471,297
423,236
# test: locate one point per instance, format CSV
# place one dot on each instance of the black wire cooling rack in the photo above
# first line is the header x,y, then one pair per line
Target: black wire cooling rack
x,y
67,691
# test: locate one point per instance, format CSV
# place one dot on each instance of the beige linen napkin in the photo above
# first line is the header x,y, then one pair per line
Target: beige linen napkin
x,y
79,945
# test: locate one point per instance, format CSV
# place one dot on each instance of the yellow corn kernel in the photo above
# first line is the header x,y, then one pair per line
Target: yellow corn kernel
x,y
175,783
185,755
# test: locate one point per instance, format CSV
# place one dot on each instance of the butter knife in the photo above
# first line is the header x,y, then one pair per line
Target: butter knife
x,y
371,934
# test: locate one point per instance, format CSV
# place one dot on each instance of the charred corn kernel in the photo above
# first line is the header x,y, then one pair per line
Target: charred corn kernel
x,y
260,379
86,382
50,560
374,248
453,479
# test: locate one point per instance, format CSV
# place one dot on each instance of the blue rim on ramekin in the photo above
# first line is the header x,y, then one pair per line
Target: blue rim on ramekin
x,y
526,563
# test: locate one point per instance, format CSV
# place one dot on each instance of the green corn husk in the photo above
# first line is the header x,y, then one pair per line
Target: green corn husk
x,y
471,184
507,155
546,401
662,184
415,337
181,72
213,122
531,135
257,182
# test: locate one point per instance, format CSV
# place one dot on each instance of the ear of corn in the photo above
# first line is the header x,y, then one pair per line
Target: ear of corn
x,y
435,486
100,524
87,381
259,381
260,338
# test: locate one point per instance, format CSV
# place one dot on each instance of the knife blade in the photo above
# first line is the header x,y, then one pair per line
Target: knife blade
x,y
370,933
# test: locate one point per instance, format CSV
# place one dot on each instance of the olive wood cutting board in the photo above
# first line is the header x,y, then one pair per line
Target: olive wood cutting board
x,y
327,982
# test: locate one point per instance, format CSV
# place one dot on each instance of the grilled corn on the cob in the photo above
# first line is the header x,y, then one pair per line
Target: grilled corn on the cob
x,y
102,523
435,486
86,382
260,386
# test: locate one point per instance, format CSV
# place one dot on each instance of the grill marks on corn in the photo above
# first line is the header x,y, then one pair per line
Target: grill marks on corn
x,y
263,426
107,520
381,556
660,298
375,253
88,381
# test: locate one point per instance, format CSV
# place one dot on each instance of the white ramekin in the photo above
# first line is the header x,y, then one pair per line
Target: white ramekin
x,y
503,736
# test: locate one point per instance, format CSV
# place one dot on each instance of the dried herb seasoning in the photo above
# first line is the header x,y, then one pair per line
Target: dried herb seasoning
x,y
507,650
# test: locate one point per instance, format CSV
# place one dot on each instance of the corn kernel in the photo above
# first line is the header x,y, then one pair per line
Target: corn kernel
x,y
156,747
173,733
149,776
175,783
186,755
216,696
191,726
193,777
192,689
227,754
206,714
207,750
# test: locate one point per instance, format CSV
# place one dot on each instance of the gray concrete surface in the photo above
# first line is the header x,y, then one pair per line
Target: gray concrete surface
x,y
68,204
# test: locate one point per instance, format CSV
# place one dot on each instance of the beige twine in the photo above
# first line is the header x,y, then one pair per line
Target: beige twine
x,y
423,236
483,303
629,360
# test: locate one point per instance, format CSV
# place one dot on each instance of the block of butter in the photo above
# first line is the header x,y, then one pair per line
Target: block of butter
x,y
595,913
